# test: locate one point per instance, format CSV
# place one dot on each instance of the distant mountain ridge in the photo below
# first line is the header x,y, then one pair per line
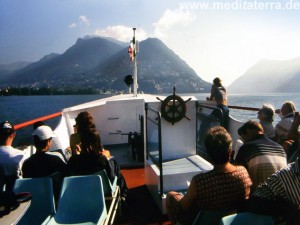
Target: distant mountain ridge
x,y
269,76
102,63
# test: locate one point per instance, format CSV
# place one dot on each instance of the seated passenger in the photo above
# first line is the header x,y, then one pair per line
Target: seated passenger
x,y
54,149
84,122
259,154
92,160
226,187
266,118
11,159
280,194
293,136
42,163
287,113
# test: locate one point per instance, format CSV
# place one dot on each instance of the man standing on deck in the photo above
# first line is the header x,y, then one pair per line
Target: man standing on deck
x,y
218,93
260,155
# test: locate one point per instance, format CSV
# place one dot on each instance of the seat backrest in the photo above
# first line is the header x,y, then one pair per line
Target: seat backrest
x,y
6,182
57,179
208,217
42,203
108,187
247,218
81,200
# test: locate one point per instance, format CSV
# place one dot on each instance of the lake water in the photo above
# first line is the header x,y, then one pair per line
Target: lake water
x,y
18,109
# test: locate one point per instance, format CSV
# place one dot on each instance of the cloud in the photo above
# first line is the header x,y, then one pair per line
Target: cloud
x,y
171,19
84,21
121,33
72,25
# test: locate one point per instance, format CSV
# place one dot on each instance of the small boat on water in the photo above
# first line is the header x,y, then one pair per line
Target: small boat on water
x,y
157,141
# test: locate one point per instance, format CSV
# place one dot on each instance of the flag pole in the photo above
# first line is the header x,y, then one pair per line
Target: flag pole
x,y
135,84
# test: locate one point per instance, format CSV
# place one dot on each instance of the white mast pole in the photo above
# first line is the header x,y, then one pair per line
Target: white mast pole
x,y
135,84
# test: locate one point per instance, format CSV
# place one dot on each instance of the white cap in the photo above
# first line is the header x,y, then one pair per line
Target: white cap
x,y
44,132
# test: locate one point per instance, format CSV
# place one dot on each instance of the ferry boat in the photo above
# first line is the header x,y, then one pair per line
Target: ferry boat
x,y
157,141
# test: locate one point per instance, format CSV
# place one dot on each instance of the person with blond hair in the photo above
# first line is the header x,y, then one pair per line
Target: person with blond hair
x,y
266,118
286,113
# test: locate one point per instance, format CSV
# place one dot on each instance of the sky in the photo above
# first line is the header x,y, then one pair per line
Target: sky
x,y
217,38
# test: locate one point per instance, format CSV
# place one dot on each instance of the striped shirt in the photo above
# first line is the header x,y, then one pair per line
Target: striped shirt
x,y
285,184
262,157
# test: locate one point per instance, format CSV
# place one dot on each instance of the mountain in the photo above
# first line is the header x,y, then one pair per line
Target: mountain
x,y
159,69
102,63
269,76
66,69
7,69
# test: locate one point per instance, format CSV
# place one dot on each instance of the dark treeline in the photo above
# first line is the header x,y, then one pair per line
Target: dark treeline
x,y
48,91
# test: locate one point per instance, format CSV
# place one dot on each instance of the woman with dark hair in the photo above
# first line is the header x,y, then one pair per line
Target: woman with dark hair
x,y
90,160
84,124
225,187
219,95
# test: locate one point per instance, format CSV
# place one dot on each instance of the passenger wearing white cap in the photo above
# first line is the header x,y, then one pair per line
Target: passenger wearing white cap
x,y
11,159
41,163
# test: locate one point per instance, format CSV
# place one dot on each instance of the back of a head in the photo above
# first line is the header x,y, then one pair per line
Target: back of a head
x,y
41,136
84,121
289,106
91,141
217,82
6,129
252,126
267,112
218,144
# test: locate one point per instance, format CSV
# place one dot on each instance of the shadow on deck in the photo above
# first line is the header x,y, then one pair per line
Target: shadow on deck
x,y
140,208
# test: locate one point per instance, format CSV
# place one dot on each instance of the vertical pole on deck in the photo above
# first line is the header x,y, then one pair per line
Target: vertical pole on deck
x,y
135,84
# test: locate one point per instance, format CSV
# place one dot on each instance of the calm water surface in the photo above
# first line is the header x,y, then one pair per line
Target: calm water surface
x,y
19,109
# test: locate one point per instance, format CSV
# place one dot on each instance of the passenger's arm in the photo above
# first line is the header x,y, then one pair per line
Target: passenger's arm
x,y
187,201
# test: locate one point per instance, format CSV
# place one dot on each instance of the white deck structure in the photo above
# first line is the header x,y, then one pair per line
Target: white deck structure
x,y
170,151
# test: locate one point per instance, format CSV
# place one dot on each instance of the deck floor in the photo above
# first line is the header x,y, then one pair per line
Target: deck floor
x,y
140,207
123,155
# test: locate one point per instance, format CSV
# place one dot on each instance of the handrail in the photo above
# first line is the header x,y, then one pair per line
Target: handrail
x,y
243,108
160,160
31,122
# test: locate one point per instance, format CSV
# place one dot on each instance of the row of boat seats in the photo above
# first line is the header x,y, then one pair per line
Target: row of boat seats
x,y
76,202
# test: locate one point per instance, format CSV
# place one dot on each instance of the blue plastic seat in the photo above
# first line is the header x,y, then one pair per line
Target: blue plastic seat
x,y
42,203
112,195
109,187
81,201
209,217
247,218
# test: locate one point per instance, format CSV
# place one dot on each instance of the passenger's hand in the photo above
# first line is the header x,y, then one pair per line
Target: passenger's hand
x,y
77,150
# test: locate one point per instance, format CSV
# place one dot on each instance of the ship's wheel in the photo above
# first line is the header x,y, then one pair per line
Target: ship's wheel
x,y
173,108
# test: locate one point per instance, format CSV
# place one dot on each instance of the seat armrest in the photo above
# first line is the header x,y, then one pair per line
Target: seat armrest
x,y
114,184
